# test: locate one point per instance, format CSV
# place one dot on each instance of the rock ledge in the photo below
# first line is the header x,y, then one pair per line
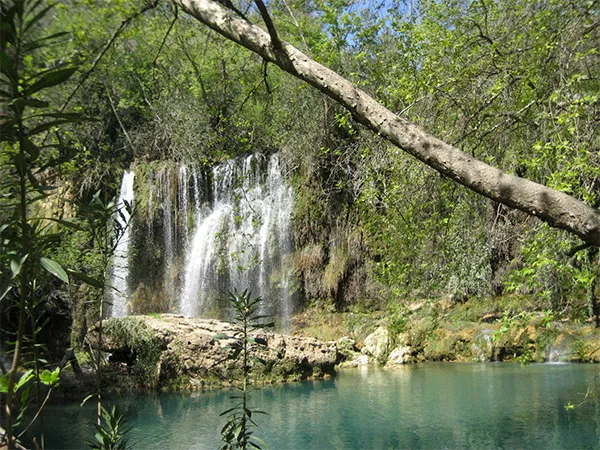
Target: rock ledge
x,y
171,351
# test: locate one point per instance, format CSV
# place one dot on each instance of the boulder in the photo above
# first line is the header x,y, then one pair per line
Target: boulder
x,y
179,352
377,344
400,355
358,361
483,345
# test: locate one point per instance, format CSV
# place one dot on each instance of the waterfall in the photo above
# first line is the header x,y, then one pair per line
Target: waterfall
x,y
243,240
199,234
120,263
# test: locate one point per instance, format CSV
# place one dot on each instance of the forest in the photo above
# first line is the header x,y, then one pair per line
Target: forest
x,y
433,170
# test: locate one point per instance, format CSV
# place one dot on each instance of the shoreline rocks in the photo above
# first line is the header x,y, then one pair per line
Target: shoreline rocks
x,y
175,352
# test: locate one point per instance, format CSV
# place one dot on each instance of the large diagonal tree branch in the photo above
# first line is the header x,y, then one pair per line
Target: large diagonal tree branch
x,y
556,208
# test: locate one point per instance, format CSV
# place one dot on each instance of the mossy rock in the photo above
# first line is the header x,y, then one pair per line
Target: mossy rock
x,y
175,352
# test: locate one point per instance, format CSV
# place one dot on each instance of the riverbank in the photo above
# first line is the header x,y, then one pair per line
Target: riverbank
x,y
504,329
169,351
177,353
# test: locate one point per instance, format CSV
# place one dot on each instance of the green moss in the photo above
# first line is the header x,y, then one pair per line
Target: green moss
x,y
133,333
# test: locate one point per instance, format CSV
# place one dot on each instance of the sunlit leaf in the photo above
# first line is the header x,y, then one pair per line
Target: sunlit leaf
x,y
24,379
50,378
54,268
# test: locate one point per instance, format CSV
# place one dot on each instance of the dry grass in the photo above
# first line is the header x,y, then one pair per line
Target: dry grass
x,y
335,270
309,258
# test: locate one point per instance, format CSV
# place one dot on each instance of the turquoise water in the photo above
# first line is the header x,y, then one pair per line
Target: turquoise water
x,y
431,405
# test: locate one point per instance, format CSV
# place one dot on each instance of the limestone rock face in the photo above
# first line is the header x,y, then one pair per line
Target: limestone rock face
x,y
175,351
377,344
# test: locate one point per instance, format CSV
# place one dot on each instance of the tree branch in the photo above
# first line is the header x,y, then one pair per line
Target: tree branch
x,y
114,110
554,207
162,44
264,12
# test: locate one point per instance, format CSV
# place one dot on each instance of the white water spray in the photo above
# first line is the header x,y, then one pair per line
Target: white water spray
x,y
243,241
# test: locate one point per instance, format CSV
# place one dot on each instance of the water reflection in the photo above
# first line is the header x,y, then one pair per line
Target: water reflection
x,y
422,406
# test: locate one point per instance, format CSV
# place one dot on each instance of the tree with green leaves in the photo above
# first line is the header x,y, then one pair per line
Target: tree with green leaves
x,y
27,152
556,208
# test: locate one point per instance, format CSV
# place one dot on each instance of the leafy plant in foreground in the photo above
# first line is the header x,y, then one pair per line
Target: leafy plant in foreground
x,y
237,433
111,433
26,153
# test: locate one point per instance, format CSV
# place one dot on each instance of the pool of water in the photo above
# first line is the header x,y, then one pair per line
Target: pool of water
x,y
434,405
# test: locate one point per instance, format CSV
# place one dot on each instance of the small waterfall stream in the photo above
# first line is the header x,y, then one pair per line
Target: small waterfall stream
x,y
204,234
118,296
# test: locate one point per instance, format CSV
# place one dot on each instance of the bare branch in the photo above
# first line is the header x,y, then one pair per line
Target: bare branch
x,y
264,12
162,44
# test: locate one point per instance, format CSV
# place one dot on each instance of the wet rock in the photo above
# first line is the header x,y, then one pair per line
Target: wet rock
x,y
359,360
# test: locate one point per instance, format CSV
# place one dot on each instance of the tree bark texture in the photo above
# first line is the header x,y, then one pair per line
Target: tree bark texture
x,y
556,208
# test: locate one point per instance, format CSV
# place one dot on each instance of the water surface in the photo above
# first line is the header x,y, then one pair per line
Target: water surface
x,y
431,405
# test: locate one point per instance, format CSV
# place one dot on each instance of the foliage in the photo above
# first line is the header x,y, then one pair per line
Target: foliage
x,y
238,431
511,322
112,433
507,81
27,153
398,317
580,350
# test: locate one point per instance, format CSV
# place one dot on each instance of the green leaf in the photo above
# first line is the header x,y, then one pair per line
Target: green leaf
x,y
50,378
70,116
5,288
38,17
51,79
24,379
48,125
31,148
65,223
15,267
30,46
31,102
4,383
86,279
8,128
55,269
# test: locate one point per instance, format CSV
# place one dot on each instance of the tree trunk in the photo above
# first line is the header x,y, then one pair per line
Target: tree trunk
x,y
556,208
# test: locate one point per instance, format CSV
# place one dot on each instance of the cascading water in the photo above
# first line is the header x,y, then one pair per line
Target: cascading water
x,y
243,241
198,235
120,264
